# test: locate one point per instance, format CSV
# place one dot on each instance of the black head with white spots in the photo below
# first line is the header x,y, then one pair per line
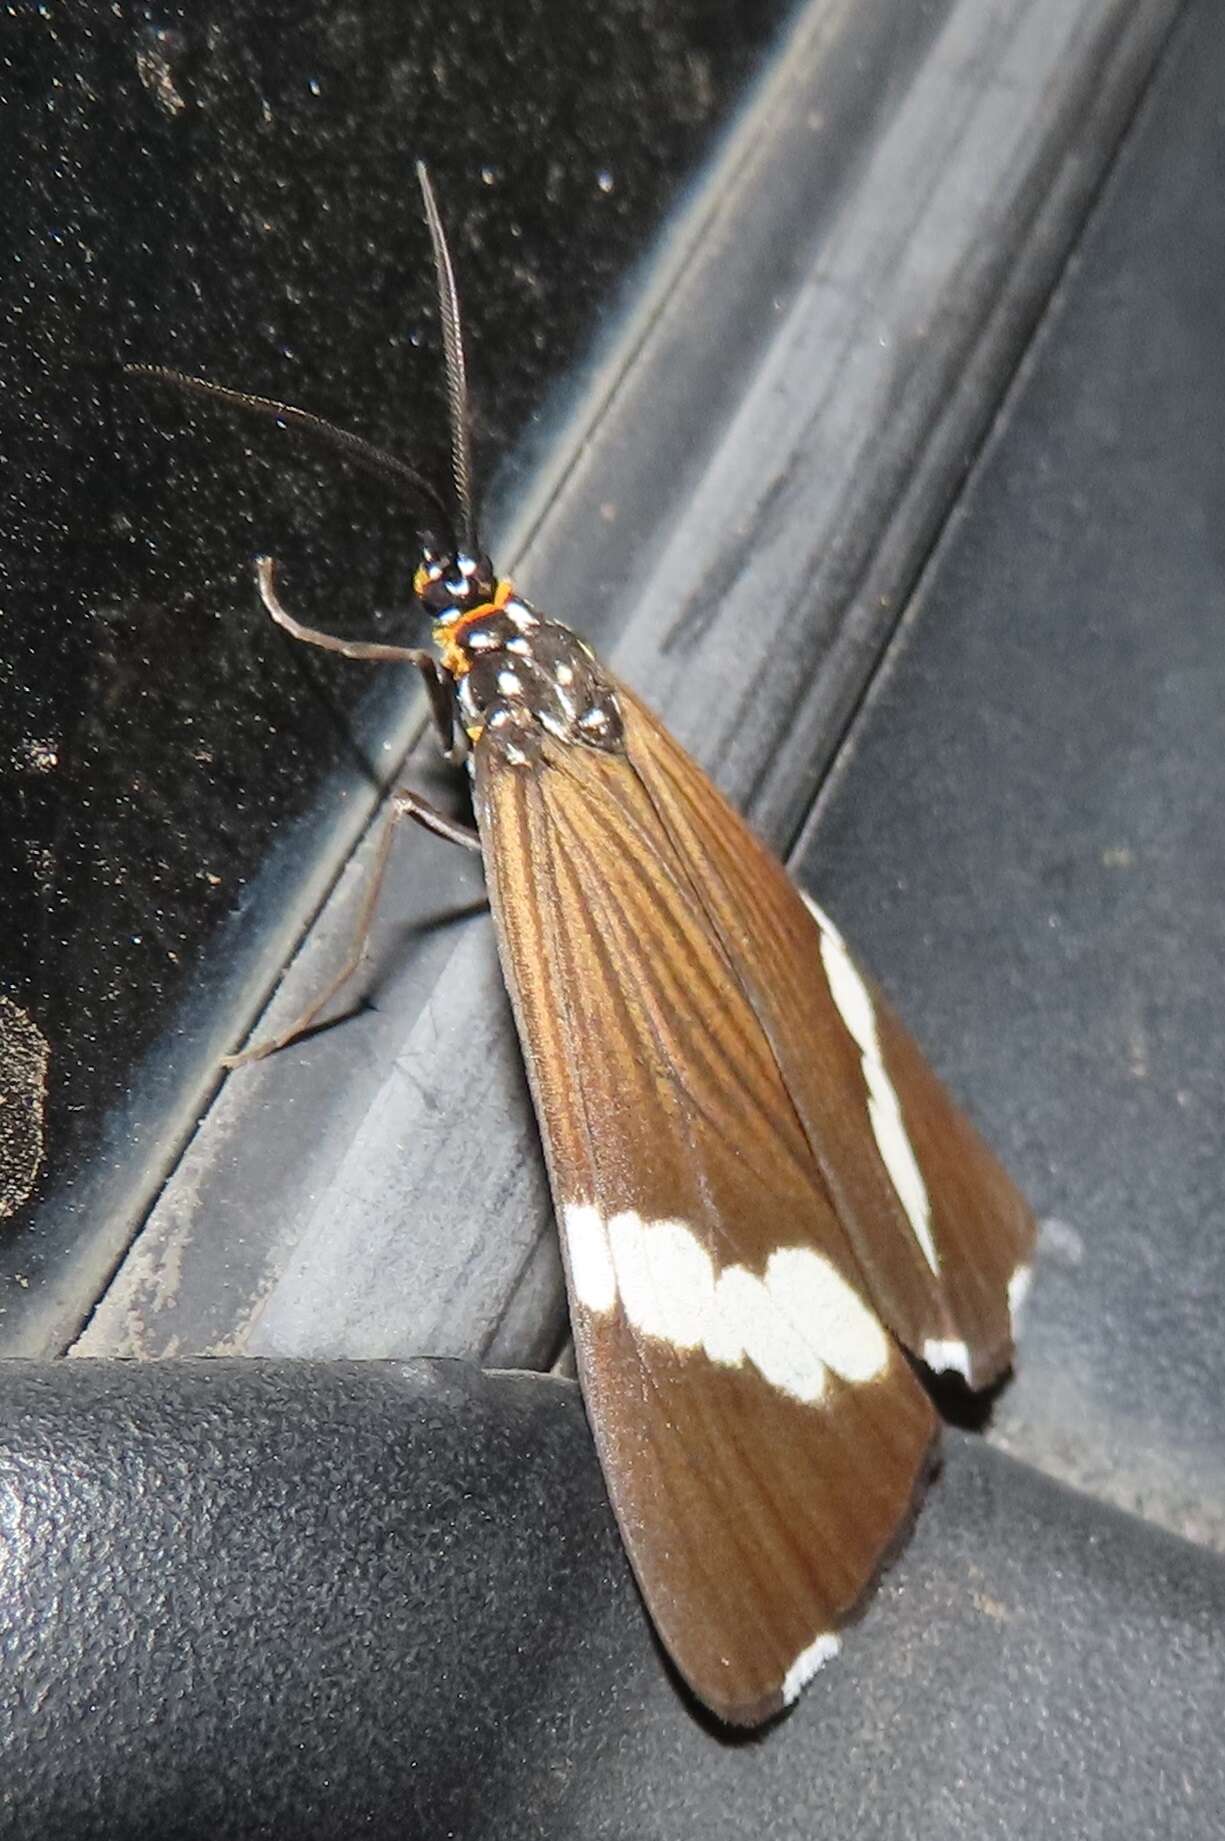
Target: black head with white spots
x,y
450,583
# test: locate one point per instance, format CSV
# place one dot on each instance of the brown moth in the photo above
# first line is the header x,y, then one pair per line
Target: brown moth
x,y
767,1201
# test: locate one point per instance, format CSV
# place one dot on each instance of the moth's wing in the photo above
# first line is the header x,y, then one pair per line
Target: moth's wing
x,y
941,1235
762,1437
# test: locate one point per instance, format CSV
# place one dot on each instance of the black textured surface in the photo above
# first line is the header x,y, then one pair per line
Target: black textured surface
x,y
1025,837
290,1600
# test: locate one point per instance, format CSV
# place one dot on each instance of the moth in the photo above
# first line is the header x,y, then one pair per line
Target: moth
x,y
770,1210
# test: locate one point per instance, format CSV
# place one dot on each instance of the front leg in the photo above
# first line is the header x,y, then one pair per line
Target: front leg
x,y
437,682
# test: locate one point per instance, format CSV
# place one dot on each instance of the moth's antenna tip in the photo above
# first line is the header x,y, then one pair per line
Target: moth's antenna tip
x,y
456,371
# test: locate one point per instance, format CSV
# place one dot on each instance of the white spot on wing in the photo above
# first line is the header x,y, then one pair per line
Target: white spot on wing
x,y
747,1322
665,1277
806,1664
591,1267
809,1289
509,684
794,1323
1018,1290
941,1356
855,1007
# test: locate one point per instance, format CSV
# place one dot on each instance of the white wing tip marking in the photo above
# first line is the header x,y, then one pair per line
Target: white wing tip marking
x,y
943,1356
806,1664
794,1323
591,1267
1018,1291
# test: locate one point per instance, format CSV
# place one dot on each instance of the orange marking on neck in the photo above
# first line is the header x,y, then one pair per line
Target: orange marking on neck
x,y
448,637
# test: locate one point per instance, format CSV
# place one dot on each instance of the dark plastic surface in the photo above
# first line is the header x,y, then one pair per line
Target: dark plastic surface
x,y
285,1600
1025,838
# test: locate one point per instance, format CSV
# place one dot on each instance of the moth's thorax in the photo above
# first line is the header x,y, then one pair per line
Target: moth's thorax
x,y
519,677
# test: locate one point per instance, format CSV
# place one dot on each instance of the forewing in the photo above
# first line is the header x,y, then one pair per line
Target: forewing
x,y
761,1435
941,1235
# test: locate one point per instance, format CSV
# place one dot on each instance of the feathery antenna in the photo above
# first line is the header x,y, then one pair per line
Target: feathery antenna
x,y
457,379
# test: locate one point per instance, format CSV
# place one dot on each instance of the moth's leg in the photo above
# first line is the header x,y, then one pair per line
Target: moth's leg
x,y
437,684
407,804
404,804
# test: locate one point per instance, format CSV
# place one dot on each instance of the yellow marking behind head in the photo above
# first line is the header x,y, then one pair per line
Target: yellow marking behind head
x,y
447,634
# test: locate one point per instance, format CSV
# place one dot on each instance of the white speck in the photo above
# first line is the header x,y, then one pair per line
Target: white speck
x,y
489,175
41,756
806,1664
593,719
855,1007
605,180
508,683
564,674
941,1357
591,1267
499,719
520,615
521,647
1061,1241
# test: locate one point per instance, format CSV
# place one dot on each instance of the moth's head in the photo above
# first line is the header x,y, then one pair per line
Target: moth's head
x,y
449,583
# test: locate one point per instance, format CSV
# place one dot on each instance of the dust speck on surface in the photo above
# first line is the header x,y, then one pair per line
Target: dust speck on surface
x,y
24,1055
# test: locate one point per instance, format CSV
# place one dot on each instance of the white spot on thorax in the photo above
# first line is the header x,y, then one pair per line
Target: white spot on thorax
x,y
563,674
794,1322
521,616
806,1664
521,647
509,684
855,1007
